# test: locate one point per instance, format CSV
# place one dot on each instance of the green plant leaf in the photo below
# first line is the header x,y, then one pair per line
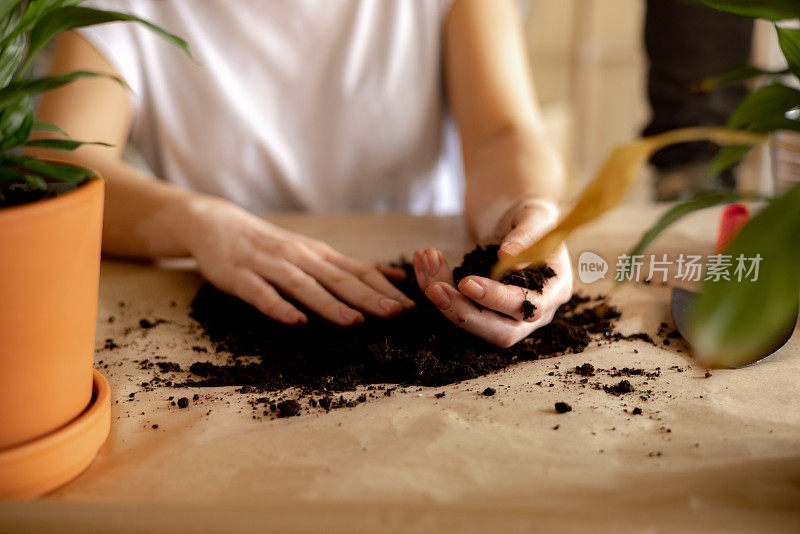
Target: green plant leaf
x,y
48,127
7,5
734,322
13,49
760,9
739,74
62,144
678,211
67,18
62,172
762,111
36,181
16,121
34,10
789,41
20,136
10,174
728,156
761,107
21,88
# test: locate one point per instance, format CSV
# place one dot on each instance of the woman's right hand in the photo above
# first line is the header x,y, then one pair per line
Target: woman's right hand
x,y
265,265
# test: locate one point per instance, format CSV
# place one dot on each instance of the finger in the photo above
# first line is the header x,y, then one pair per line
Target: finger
x,y
431,266
372,276
392,273
506,299
349,288
528,224
486,324
254,290
301,286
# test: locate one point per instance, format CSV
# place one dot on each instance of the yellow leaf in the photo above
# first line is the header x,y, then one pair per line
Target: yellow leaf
x,y
609,185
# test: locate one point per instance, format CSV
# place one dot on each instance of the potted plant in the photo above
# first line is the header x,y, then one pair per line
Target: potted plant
x,y
51,217
734,321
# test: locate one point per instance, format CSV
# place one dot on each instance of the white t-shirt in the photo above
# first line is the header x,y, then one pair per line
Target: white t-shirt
x,y
314,105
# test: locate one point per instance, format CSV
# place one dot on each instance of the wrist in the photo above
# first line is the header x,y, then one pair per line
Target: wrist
x,y
184,221
512,168
485,219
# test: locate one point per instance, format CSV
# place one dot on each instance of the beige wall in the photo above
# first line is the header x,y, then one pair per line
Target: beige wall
x,y
588,64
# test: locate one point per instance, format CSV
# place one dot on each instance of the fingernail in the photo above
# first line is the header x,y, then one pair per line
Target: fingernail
x,y
472,289
423,259
351,316
438,296
433,260
408,303
512,249
299,318
390,306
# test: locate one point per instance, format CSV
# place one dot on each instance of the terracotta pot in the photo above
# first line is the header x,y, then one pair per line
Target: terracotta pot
x,y
49,276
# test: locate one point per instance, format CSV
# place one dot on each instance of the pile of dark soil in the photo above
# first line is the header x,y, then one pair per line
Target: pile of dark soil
x,y
420,347
16,194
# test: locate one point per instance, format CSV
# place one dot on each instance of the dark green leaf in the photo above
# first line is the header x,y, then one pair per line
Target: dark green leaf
x,y
762,111
48,127
10,174
13,50
761,9
16,121
734,322
6,6
21,88
763,105
58,171
33,12
67,18
62,144
790,46
676,212
727,156
36,181
736,75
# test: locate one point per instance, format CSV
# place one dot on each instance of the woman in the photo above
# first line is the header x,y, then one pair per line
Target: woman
x,y
318,105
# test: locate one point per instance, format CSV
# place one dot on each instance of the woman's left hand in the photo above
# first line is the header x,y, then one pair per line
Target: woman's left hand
x,y
489,309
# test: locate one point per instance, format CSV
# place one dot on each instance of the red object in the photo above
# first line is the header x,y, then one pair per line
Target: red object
x,y
733,218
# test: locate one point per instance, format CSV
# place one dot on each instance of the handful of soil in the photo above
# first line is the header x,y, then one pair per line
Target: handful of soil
x,y
419,347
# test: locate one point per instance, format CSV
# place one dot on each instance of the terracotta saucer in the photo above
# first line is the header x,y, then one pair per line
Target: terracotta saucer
x,y
41,465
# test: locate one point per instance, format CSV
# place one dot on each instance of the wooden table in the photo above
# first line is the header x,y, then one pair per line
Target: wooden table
x,y
711,454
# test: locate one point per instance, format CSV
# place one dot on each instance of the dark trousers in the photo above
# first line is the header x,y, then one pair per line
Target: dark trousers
x,y
685,43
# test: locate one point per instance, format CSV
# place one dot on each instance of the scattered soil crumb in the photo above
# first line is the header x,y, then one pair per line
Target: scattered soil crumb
x,y
585,369
183,402
288,408
488,392
169,367
148,324
528,309
618,389
563,407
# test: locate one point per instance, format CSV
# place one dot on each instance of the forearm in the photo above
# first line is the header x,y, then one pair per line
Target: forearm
x,y
143,217
507,157
516,165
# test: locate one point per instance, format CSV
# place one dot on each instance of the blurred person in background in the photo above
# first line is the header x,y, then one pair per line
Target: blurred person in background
x,y
686,43
318,106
